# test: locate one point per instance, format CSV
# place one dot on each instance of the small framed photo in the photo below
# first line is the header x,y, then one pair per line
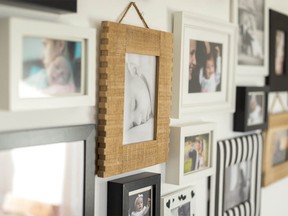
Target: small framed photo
x,y
48,65
278,71
182,202
251,108
191,153
238,178
203,61
275,162
135,195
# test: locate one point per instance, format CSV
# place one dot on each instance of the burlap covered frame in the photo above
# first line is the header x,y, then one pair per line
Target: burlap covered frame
x,y
117,40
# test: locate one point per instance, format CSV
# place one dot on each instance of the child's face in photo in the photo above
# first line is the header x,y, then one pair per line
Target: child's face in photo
x,y
209,68
139,204
59,71
51,49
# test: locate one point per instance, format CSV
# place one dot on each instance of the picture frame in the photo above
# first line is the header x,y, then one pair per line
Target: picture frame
x,y
212,42
239,160
278,71
123,193
144,63
252,22
251,108
30,151
40,83
275,157
181,202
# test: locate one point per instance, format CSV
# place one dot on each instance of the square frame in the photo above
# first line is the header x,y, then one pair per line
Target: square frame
x,y
13,31
118,192
188,26
233,152
241,114
114,157
271,174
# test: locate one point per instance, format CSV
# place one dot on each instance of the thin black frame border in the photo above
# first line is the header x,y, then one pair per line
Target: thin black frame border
x,y
277,21
118,192
86,133
240,116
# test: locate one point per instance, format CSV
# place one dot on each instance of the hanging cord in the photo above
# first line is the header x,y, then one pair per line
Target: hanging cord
x,y
275,99
138,12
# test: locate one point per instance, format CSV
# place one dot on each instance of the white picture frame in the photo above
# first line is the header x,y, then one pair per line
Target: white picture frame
x,y
203,30
13,32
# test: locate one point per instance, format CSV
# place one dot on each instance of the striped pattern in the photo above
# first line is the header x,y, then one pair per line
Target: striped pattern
x,y
234,151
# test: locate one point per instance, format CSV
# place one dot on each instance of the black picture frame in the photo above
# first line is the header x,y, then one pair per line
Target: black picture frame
x,y
242,115
85,133
278,22
118,192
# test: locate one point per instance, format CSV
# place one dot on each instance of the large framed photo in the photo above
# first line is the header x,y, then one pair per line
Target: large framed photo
x,y
203,77
238,178
46,65
134,98
251,108
48,171
250,16
275,162
135,195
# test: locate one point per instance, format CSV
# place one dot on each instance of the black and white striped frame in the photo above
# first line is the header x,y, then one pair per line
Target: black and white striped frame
x,y
234,151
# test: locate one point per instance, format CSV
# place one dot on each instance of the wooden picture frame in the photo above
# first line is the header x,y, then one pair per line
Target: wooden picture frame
x,y
35,82
238,178
123,194
66,153
251,108
119,44
275,156
278,68
200,40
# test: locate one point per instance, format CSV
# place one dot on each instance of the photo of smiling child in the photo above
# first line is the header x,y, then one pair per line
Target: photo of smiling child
x,y
140,202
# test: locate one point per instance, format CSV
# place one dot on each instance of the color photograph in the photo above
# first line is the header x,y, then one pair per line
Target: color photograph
x,y
279,52
280,147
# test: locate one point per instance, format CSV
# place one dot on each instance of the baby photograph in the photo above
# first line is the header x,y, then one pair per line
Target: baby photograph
x,y
280,147
256,112
140,202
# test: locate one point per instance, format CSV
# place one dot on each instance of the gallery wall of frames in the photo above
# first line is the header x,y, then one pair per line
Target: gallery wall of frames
x,y
144,108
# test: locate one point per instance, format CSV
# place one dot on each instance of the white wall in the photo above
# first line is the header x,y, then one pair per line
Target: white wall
x,y
158,15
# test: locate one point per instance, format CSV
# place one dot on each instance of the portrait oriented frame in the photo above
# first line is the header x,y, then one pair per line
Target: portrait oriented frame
x,y
241,114
232,152
114,156
119,189
14,30
273,173
188,27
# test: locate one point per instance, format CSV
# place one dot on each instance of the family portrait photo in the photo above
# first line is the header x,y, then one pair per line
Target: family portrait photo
x,y
279,52
51,68
280,147
205,66
139,98
183,210
256,112
140,202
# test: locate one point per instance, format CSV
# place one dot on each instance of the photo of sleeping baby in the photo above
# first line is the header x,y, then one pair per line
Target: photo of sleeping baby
x,y
140,202
139,98
51,68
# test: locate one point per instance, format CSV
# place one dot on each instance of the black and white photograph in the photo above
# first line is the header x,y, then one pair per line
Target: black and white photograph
x,y
140,202
237,184
256,112
280,147
279,52
139,98
205,66
251,32
183,210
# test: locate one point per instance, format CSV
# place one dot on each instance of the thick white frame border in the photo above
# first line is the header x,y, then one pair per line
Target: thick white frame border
x,y
12,31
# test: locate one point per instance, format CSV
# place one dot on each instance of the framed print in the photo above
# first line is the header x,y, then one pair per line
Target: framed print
x,y
203,75
178,203
58,72
251,108
135,195
47,171
238,178
134,98
252,44
278,71
275,162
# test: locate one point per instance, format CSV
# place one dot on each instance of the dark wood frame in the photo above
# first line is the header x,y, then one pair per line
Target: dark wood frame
x,y
118,192
86,133
242,109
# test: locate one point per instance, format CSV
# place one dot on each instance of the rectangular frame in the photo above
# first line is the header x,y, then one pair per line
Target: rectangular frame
x,y
117,40
118,192
241,115
13,31
232,152
189,26
85,133
272,173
